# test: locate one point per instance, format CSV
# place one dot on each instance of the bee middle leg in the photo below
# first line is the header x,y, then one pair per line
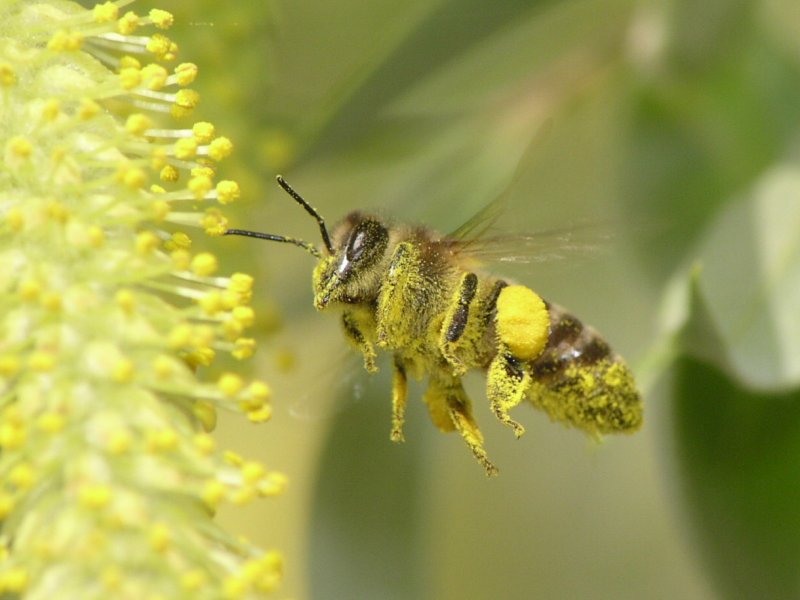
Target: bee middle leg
x,y
450,409
399,397
355,333
455,321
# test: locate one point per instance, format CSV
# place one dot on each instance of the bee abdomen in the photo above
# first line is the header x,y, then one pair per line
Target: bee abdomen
x,y
579,380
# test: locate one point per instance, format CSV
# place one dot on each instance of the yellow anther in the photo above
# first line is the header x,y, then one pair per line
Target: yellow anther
x,y
169,173
9,365
159,45
273,484
180,259
159,210
88,108
51,301
137,123
245,315
12,435
210,302
186,73
227,191
51,109
261,415
161,18
194,580
200,186
213,493
214,222
14,580
230,384
206,414
29,290
146,242
154,76
19,147
204,264
106,12
119,442
185,148
95,236
132,177
128,23
204,443
130,78
185,101
220,148
125,300
163,366
65,41
203,131
244,348
162,440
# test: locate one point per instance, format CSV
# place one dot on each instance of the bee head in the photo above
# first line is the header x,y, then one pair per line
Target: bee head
x,y
346,268
350,272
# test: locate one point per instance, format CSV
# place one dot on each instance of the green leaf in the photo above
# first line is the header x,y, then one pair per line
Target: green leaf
x,y
739,455
742,311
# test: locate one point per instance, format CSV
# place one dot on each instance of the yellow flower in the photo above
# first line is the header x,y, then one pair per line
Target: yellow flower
x,y
104,466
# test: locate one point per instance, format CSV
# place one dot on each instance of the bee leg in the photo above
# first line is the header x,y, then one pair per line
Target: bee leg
x,y
455,321
451,409
399,396
507,383
400,293
356,336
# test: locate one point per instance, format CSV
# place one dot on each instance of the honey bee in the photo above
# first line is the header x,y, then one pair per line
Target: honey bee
x,y
417,294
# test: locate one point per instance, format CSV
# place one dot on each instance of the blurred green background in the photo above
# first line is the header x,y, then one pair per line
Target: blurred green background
x,y
673,123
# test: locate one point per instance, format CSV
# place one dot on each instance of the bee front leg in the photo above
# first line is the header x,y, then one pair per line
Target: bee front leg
x,y
455,321
399,397
355,334
450,408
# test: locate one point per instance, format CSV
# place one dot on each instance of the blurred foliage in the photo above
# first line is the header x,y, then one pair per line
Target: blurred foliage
x,y
677,121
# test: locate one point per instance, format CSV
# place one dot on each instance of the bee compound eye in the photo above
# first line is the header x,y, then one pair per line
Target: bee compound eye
x,y
357,244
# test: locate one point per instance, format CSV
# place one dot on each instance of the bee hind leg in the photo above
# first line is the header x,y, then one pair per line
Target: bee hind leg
x,y
450,409
507,383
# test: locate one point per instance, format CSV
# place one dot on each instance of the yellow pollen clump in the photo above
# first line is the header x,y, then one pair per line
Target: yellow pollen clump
x,y
65,41
244,348
146,242
220,148
186,73
163,366
162,440
204,443
95,236
203,131
51,109
88,108
185,101
19,147
130,78
261,415
106,12
159,537
200,186
211,302
523,321
213,493
227,191
159,45
214,223
161,18
159,210
252,471
137,123
179,239
204,264
12,436
128,23
132,177
185,148
206,414
273,484
230,384
125,300
154,76
169,173
245,315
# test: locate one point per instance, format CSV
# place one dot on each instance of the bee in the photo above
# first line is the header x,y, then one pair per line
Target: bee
x,y
416,293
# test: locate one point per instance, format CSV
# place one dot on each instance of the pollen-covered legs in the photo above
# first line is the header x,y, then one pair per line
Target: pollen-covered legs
x,y
450,409
455,322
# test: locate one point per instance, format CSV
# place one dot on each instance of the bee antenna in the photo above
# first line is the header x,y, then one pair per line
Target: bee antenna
x,y
310,210
275,238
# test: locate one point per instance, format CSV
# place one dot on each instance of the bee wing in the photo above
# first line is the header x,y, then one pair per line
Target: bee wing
x,y
572,242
